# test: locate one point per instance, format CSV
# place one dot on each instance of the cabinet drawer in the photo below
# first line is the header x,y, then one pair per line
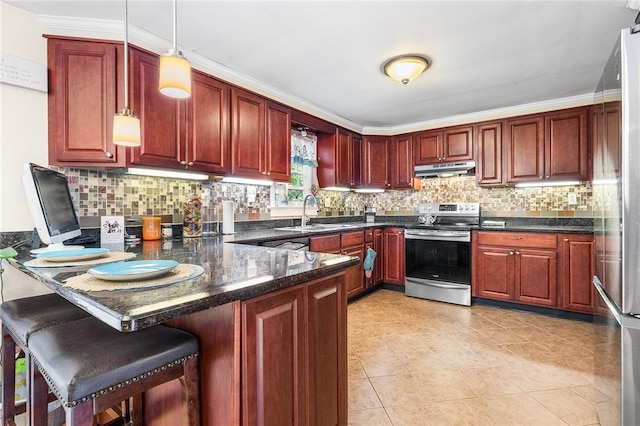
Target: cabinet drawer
x,y
368,236
517,239
352,239
325,243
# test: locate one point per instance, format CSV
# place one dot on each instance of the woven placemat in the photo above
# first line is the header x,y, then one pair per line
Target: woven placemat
x,y
109,257
87,282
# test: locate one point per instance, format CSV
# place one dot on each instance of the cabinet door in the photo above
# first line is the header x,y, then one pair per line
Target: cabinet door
x,y
82,102
356,160
344,162
613,140
576,272
378,276
427,147
393,256
160,119
536,279
327,337
247,134
278,143
457,144
325,244
273,359
489,153
566,145
376,153
493,272
354,275
208,125
401,162
524,149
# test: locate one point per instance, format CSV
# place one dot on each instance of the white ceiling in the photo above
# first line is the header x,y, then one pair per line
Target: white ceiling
x,y
325,56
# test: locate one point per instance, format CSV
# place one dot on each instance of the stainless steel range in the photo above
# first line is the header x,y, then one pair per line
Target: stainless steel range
x,y
438,252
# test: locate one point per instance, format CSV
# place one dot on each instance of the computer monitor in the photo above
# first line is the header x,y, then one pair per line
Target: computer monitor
x,y
51,205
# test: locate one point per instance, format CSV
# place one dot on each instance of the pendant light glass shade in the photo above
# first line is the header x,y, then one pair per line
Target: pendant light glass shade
x,y
126,128
405,68
175,75
175,71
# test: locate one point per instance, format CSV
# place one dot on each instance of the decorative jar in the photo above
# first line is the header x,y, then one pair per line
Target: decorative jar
x,y
192,216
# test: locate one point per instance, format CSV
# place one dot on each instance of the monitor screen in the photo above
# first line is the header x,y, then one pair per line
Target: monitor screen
x,y
51,204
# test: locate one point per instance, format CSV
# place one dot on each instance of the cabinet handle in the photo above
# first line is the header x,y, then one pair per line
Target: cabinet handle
x,y
184,163
400,233
444,158
108,155
190,163
541,177
510,253
566,239
547,177
514,238
264,173
268,173
518,253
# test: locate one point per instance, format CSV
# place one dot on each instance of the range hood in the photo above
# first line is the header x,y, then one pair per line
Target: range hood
x,y
446,169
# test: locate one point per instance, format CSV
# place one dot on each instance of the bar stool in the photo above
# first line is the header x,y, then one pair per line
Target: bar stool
x,y
90,367
20,319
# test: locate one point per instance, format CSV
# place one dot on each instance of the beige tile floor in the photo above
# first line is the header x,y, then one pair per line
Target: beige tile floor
x,y
418,362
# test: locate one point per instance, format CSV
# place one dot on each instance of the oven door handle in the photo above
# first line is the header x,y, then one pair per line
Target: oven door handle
x,y
439,285
438,237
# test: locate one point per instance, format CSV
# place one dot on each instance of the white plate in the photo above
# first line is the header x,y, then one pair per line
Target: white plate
x,y
132,271
72,255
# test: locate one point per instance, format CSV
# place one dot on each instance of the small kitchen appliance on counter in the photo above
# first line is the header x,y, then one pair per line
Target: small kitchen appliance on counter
x,y
438,252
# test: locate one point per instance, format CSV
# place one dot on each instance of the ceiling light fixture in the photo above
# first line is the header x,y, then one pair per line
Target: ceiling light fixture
x,y
405,68
126,126
175,71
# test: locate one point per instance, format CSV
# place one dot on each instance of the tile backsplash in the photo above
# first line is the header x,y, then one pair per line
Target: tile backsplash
x,y
99,193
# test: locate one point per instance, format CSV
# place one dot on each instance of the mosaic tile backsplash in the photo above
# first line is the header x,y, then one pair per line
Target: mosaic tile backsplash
x,y
99,193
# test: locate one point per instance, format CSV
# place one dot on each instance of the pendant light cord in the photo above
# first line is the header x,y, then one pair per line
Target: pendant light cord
x,y
175,26
126,54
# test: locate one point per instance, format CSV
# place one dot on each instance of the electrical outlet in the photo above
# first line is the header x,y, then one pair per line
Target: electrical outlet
x,y
572,199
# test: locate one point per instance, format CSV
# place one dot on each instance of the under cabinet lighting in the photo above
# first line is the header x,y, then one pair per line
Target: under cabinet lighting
x,y
547,183
369,190
245,181
336,188
166,174
611,181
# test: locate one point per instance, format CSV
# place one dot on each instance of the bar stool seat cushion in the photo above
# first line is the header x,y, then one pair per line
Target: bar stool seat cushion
x,y
87,358
23,317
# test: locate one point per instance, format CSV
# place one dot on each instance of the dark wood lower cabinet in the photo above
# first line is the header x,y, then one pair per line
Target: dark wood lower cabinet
x,y
294,356
393,261
576,272
536,277
493,273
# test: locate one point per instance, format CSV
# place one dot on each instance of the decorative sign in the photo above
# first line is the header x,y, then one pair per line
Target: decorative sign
x,y
111,230
23,73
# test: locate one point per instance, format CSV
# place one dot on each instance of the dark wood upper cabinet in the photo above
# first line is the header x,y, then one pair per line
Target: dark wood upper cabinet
x,y
553,146
566,145
488,156
376,153
207,125
388,162
400,166
443,145
260,137
606,137
84,94
340,159
524,149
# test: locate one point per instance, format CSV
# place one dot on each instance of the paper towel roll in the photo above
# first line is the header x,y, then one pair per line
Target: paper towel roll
x,y
227,217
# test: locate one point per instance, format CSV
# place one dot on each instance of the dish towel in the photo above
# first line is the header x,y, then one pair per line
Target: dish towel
x,y
368,262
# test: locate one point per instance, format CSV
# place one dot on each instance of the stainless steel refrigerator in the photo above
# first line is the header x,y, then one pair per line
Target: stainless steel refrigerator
x,y
616,190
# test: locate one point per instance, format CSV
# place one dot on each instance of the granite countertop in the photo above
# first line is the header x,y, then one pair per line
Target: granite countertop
x,y
231,272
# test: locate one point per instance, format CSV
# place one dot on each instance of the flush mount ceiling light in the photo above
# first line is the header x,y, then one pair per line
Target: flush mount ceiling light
x,y
175,71
405,68
126,126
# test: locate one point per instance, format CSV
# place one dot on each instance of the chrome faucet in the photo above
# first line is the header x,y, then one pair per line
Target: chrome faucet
x,y
304,220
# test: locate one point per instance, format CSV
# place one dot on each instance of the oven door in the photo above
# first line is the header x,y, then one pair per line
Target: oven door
x,y
438,268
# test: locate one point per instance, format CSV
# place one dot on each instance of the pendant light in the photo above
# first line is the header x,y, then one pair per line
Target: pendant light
x,y
126,126
175,71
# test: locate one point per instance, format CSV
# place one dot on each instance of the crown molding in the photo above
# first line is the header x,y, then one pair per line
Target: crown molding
x,y
113,30
494,114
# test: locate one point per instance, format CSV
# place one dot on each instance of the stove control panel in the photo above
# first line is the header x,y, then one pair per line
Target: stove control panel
x,y
449,209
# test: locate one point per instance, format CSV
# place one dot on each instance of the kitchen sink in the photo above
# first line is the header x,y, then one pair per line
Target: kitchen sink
x,y
318,227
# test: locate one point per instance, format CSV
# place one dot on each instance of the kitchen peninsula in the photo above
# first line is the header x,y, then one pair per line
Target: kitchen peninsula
x,y
265,319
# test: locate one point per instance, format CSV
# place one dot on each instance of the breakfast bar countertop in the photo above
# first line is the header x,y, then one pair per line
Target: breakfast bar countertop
x,y
231,272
